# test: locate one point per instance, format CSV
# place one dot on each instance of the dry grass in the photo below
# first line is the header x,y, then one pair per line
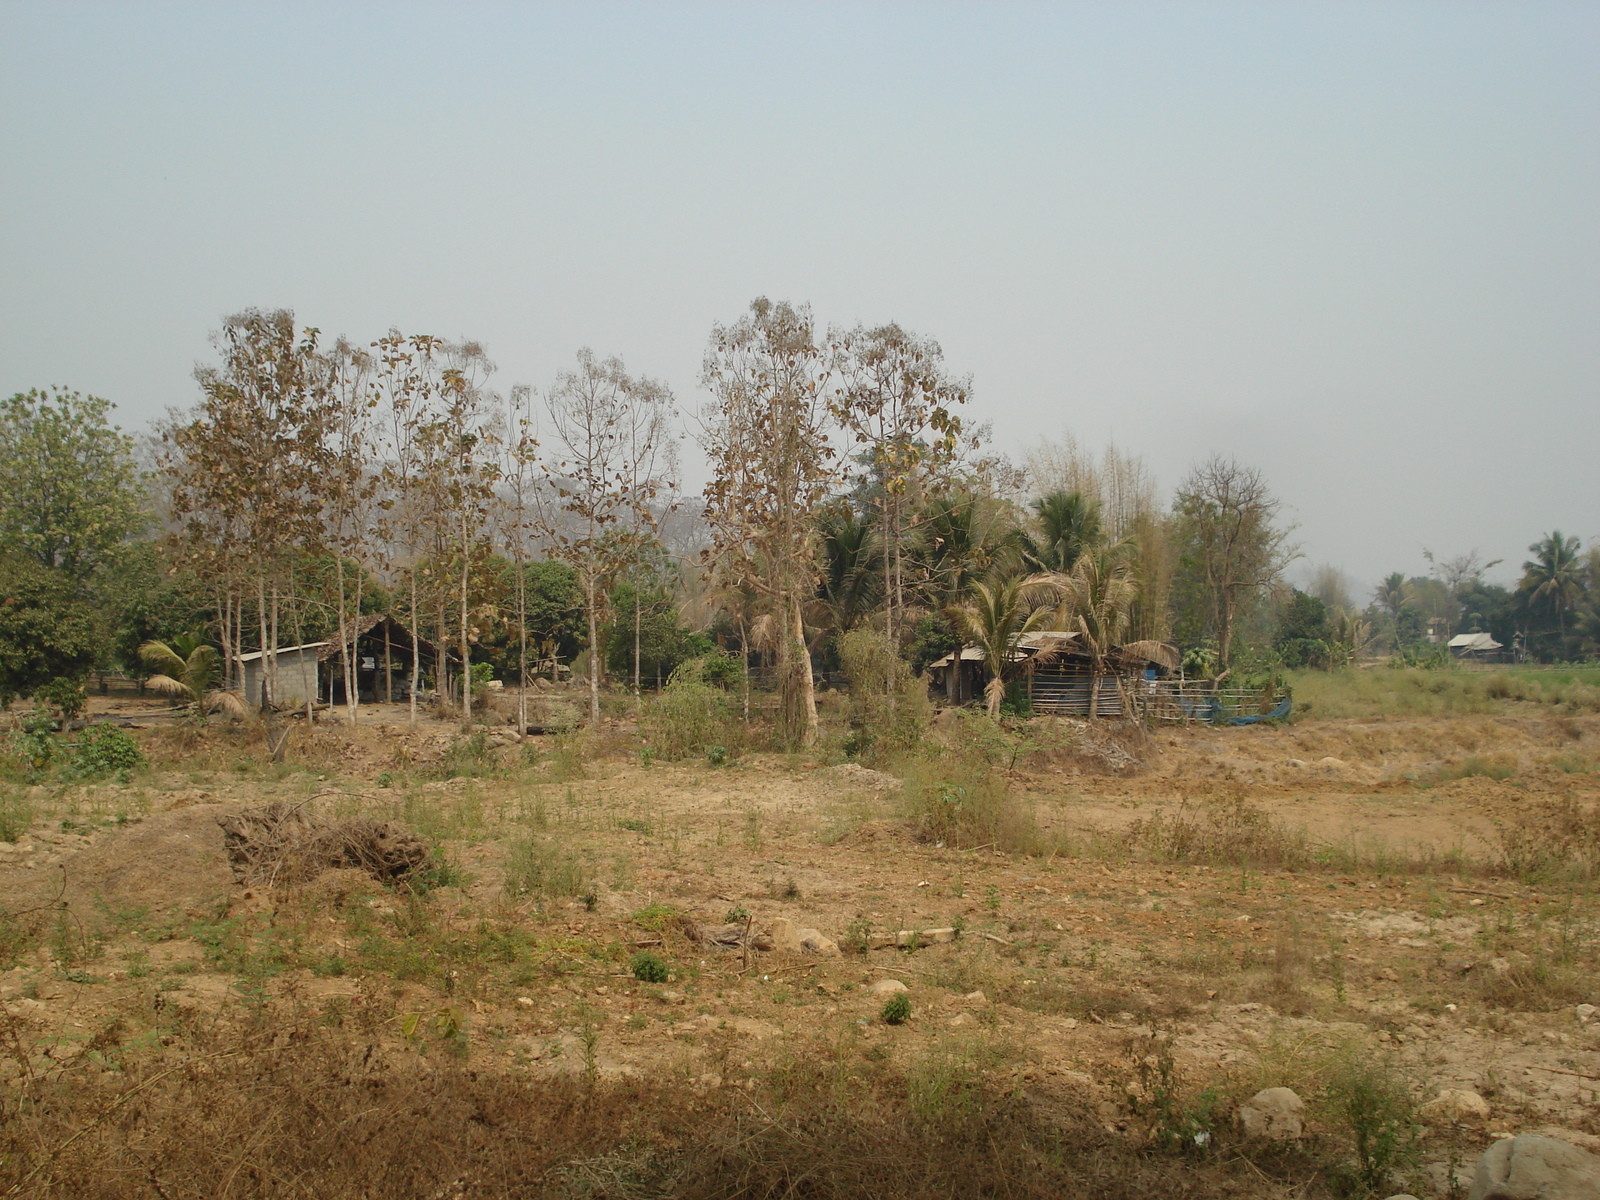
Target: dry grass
x,y
293,1111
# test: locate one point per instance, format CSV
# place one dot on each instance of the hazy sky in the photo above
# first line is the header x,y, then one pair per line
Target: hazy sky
x,y
1355,245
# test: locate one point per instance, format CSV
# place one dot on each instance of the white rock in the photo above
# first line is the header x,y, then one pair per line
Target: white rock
x,y
1530,1167
1273,1114
888,987
1455,1104
962,1021
975,998
1585,1013
925,937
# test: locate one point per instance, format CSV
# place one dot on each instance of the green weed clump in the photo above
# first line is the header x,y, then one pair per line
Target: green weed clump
x,y
1476,765
896,1010
648,968
535,867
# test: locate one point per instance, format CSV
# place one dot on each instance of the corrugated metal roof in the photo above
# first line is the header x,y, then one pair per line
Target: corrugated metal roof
x,y
255,654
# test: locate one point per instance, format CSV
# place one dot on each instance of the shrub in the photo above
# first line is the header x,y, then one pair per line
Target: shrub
x,y
957,796
648,968
690,716
106,750
16,815
896,1010
470,756
1371,1101
888,705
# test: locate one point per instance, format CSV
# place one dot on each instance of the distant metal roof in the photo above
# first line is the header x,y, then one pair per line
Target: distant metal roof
x,y
1473,641
255,654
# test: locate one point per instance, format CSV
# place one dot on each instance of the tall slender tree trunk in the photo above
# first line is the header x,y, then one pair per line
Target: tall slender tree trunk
x,y
262,680
416,649
805,678
466,643
346,650
590,590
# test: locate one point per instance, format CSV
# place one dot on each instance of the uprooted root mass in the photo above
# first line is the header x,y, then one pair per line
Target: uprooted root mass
x,y
283,844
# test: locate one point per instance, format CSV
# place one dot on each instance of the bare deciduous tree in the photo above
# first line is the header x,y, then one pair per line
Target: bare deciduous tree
x,y
1227,517
602,435
768,434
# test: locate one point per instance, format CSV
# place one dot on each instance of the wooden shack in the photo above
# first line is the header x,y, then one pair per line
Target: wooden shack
x,y
382,661
1058,675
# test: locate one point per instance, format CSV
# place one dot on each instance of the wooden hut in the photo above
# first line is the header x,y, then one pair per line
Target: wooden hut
x,y
382,661
1058,675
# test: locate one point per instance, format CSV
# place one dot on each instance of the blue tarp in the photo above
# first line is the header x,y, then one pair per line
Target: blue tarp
x,y
1218,715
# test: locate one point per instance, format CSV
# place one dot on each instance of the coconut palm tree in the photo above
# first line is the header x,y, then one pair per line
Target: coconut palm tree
x,y
186,668
1068,524
850,586
1555,574
962,537
999,613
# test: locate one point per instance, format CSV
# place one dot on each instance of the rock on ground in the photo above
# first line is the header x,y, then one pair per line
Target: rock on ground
x,y
1531,1167
1456,1105
1273,1114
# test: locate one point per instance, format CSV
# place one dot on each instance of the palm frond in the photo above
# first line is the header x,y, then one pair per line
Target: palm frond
x,y
231,703
166,685
159,656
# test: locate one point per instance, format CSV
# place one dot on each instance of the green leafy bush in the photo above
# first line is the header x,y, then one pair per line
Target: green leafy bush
x,y
65,695
896,1010
106,750
648,968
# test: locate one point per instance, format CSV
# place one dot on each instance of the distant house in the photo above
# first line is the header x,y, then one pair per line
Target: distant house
x,y
1473,645
1057,674
297,675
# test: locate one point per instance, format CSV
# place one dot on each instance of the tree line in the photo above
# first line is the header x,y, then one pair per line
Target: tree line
x,y
315,482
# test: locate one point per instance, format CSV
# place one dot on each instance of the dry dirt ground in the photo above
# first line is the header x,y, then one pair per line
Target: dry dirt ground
x,y
1104,972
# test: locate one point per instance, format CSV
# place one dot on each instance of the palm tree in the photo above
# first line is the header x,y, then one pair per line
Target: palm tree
x,y
1392,594
963,537
1069,523
850,586
1000,612
1555,574
1096,597
187,668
